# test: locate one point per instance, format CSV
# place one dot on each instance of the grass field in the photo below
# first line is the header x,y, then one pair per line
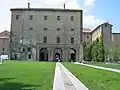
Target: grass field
x,y
25,75
95,79
115,66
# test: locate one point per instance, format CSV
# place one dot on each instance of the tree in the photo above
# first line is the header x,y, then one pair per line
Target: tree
x,y
94,51
116,53
86,52
101,52
107,54
98,53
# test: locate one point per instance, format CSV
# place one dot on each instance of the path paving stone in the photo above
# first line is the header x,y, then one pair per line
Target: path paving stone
x,y
65,80
99,67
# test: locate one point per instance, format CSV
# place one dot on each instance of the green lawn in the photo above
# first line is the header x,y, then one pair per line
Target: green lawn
x,y
115,66
95,79
26,75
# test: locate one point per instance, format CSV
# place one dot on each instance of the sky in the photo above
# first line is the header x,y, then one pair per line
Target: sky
x,y
96,12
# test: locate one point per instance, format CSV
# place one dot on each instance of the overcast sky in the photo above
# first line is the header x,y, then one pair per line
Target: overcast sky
x,y
90,20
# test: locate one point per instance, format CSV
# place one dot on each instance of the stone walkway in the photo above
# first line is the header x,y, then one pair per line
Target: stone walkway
x,y
99,67
65,80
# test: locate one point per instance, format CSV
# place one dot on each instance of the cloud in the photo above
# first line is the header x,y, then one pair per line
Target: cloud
x,y
91,21
89,3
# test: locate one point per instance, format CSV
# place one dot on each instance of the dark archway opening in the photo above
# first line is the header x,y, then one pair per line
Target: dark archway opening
x,y
57,54
43,54
73,55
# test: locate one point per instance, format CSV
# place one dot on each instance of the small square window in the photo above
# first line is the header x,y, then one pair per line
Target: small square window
x,y
105,25
58,29
30,29
45,17
45,29
31,17
5,33
72,29
72,18
3,49
17,17
58,18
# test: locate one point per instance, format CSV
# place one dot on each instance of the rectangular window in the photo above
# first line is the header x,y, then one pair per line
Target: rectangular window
x,y
58,18
31,17
72,29
72,18
23,50
30,29
45,17
45,39
58,29
17,17
29,49
3,49
58,39
72,40
45,29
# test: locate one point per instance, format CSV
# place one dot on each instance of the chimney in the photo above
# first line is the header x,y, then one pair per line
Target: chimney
x,y
64,5
28,4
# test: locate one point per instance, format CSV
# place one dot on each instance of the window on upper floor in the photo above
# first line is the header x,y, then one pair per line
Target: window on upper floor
x,y
30,29
72,29
58,29
45,17
23,50
72,40
45,29
58,18
105,25
3,49
29,49
58,40
17,17
31,17
45,39
72,18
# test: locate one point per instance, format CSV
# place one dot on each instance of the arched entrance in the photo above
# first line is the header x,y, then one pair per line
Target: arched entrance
x,y
72,54
57,52
43,54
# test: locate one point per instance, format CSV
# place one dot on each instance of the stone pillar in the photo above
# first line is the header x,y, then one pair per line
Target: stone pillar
x,y
81,53
37,53
77,54
50,54
65,54
34,53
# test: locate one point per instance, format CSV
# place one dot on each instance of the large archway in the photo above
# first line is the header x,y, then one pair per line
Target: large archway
x,y
72,54
58,52
43,54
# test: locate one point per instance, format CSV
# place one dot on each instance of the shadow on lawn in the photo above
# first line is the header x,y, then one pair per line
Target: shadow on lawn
x,y
15,86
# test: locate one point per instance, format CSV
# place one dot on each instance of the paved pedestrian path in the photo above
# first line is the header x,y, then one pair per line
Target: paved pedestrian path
x,y
65,80
99,67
